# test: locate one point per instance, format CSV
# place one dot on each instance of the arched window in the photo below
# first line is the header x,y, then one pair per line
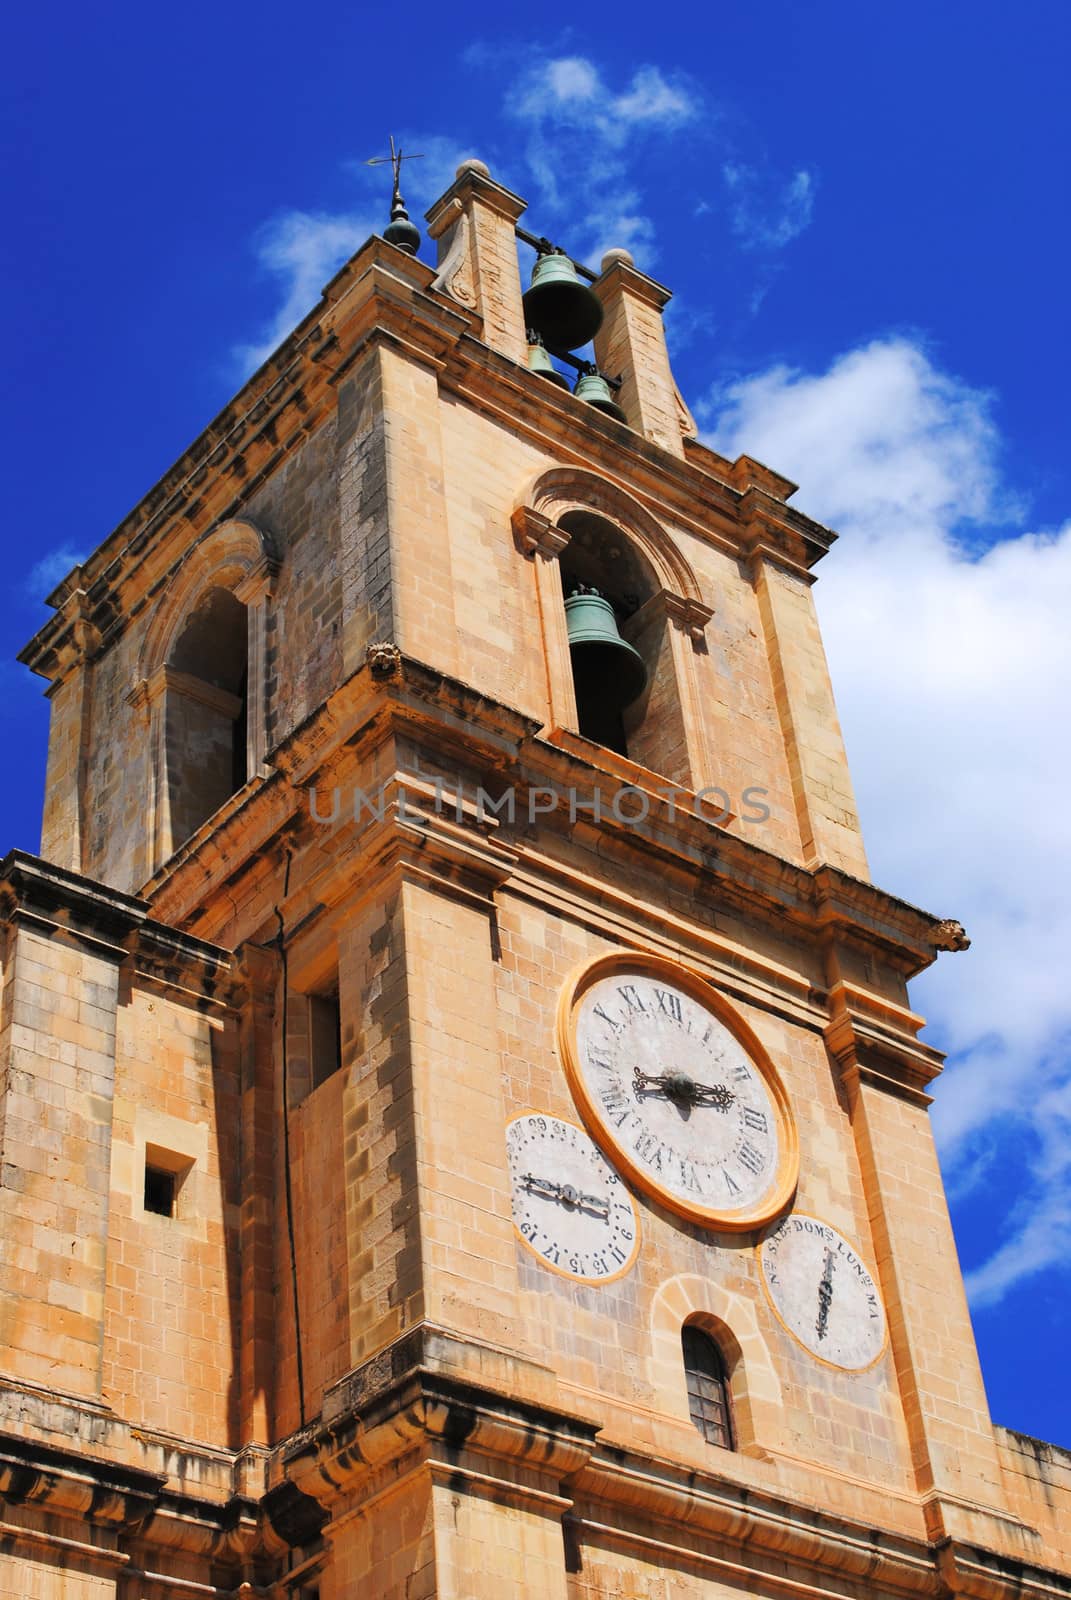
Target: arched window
x,y
583,533
708,1388
206,715
202,683
650,729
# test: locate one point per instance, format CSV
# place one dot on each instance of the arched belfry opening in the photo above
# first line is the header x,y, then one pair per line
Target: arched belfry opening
x,y
207,711
627,694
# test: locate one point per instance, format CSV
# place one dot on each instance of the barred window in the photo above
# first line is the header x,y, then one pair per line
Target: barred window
x,y
708,1391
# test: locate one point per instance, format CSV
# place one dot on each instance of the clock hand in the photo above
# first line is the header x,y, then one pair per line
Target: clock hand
x,y
684,1090
565,1192
825,1297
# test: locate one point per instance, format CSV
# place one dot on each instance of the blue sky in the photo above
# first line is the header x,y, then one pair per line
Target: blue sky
x,y
862,213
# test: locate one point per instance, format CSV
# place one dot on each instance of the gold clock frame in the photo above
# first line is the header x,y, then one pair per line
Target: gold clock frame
x,y
783,1188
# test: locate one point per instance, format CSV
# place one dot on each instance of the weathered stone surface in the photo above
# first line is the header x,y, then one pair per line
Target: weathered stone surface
x,y
324,1360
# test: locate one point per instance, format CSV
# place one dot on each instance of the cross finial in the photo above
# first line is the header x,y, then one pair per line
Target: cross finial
x,y
400,230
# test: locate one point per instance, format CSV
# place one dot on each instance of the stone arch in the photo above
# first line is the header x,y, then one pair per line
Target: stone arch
x,y
564,516
558,490
236,555
235,559
729,1318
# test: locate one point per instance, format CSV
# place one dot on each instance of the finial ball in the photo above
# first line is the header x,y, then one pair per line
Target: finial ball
x,y
470,164
624,256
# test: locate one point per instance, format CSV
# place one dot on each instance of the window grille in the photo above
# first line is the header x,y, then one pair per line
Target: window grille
x,y
708,1391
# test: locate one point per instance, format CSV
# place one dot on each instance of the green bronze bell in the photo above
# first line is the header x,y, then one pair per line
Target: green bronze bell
x,y
603,662
593,387
562,310
540,362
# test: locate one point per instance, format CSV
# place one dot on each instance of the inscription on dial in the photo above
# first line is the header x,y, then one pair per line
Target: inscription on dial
x,y
569,1205
823,1292
677,1092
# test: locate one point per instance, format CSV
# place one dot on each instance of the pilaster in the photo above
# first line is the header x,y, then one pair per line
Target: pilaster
x,y
632,344
65,940
64,821
818,766
255,1000
953,1447
474,224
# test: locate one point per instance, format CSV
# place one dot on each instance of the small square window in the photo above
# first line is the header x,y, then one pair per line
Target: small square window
x,y
165,1176
160,1189
325,1036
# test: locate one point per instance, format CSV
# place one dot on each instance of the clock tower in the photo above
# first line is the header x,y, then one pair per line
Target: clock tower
x,y
465,1132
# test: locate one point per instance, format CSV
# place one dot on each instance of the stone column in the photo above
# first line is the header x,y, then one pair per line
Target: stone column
x,y
631,344
254,592
474,224
63,823
542,542
257,1353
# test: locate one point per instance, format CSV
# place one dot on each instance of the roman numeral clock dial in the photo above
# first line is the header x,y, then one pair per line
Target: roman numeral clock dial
x,y
678,1091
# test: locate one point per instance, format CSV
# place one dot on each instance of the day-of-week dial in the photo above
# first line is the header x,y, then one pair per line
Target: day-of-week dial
x,y
823,1292
569,1206
678,1092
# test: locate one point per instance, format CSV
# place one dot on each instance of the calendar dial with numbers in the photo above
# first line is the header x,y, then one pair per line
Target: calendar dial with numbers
x,y
569,1205
678,1091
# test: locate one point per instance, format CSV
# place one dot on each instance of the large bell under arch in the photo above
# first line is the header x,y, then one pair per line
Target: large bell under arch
x,y
563,311
605,580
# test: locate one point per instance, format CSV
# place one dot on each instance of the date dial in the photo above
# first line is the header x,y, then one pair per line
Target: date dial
x,y
823,1292
569,1205
678,1091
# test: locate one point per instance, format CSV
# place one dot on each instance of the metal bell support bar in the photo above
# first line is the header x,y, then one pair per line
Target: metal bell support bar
x,y
601,658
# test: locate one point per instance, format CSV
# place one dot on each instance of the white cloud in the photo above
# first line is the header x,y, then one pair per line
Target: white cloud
x,y
569,79
302,250
946,630
651,98
577,124
766,212
54,565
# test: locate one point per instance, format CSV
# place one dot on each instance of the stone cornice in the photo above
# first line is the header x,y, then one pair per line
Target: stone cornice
x,y
471,732
379,293
620,277
674,1509
125,1506
432,1415
411,1408
691,493
478,185
52,900
382,294
983,1575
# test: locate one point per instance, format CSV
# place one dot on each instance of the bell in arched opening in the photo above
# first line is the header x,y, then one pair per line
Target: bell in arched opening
x,y
593,388
608,672
562,310
540,363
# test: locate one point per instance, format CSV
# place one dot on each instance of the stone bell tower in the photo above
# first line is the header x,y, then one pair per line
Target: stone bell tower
x,y
464,1131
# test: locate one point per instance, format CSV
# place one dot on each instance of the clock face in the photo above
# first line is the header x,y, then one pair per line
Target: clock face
x,y
823,1293
678,1091
569,1205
